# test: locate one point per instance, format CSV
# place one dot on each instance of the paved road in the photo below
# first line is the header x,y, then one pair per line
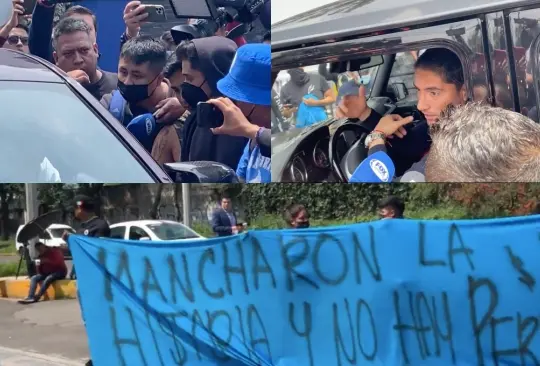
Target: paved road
x,y
43,334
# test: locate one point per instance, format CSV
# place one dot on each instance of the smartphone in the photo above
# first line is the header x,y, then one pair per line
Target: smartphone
x,y
29,6
208,115
156,13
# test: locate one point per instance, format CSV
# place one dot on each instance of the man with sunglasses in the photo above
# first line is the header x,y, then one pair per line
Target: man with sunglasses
x,y
14,35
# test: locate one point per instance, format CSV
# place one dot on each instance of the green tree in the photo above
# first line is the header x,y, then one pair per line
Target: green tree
x,y
8,194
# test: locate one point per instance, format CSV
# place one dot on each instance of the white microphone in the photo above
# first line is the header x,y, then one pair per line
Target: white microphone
x,y
413,176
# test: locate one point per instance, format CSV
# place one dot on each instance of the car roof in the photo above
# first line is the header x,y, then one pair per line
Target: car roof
x,y
59,226
18,66
344,18
145,222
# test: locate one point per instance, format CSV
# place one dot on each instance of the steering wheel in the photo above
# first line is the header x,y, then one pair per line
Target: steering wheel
x,y
345,167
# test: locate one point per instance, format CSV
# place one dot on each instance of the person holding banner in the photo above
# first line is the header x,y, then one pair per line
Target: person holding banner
x,y
391,207
296,216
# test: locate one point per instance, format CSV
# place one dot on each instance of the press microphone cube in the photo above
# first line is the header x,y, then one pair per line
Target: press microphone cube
x,y
376,168
144,129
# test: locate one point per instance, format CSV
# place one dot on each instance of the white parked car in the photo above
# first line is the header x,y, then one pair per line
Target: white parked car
x,y
154,230
52,236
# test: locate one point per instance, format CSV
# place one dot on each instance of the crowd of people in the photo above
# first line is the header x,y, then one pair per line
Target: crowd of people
x,y
160,83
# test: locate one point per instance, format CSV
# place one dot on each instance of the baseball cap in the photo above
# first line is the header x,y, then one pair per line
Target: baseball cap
x,y
249,77
348,88
376,168
144,129
83,201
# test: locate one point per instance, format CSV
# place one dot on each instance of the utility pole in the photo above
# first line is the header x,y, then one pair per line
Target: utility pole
x,y
186,203
31,194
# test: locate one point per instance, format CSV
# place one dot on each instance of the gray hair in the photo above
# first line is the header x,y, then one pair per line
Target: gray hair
x,y
68,26
480,143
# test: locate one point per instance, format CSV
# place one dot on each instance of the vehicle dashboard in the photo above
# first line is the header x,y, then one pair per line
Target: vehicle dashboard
x,y
310,161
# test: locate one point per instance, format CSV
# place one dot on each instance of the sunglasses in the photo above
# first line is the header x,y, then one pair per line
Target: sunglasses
x,y
13,40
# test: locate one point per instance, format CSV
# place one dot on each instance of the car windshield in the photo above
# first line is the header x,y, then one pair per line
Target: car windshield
x,y
57,233
287,95
50,136
172,231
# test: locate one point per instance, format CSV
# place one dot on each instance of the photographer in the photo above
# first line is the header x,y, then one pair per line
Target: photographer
x,y
13,32
248,83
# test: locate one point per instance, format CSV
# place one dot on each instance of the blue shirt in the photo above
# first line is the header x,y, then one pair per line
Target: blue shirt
x,y
253,166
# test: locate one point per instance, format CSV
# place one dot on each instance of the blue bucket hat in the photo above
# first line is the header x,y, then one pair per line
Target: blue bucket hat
x,y
144,129
249,78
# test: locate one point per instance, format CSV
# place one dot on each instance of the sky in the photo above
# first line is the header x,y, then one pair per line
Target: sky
x,y
5,10
283,9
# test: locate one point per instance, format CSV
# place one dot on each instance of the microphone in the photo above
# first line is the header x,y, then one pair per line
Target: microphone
x,y
376,168
144,129
413,176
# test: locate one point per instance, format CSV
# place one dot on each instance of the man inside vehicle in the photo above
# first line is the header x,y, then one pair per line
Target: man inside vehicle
x,y
306,91
440,83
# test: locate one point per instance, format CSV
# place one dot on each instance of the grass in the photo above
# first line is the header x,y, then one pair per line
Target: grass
x,y
7,247
10,269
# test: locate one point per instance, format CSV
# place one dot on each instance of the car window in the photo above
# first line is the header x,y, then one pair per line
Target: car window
x,y
50,136
525,27
288,96
170,231
118,232
403,73
57,233
136,233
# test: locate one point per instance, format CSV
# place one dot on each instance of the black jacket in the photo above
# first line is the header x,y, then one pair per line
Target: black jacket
x,y
221,223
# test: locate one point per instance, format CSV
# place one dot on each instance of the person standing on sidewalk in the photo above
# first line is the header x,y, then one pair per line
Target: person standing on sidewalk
x,y
91,225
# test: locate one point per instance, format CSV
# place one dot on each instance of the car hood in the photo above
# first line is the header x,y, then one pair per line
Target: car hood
x,y
285,143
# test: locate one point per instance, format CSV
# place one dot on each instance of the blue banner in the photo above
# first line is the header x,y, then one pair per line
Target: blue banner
x,y
392,292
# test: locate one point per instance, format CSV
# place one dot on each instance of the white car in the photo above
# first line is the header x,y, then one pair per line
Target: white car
x,y
154,230
52,236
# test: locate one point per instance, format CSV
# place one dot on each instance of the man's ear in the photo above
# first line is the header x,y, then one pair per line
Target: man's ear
x,y
55,57
96,49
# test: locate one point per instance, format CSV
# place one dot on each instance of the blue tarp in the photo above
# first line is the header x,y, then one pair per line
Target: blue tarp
x,y
392,292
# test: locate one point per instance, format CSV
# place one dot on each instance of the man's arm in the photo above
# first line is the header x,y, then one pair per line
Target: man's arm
x,y
217,225
40,34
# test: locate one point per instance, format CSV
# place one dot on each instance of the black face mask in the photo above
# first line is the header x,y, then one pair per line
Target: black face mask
x,y
302,225
134,94
193,94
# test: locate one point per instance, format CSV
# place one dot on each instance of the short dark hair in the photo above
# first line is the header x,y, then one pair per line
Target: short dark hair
x,y
292,211
143,49
23,27
186,51
172,67
81,10
68,26
443,62
393,202
85,203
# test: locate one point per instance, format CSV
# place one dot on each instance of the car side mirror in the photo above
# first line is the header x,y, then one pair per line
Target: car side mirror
x,y
201,172
400,90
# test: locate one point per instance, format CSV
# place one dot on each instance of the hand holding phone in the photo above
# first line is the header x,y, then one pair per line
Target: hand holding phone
x,y
209,116
156,14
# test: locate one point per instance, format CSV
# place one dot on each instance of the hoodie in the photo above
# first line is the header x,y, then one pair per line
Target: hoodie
x,y
200,144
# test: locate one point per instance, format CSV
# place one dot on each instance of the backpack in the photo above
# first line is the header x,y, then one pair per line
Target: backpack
x,y
307,115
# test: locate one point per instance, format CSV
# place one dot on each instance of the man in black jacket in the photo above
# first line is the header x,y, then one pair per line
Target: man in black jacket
x,y
91,225
224,222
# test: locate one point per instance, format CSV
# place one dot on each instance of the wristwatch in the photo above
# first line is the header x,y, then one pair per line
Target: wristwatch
x,y
374,136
